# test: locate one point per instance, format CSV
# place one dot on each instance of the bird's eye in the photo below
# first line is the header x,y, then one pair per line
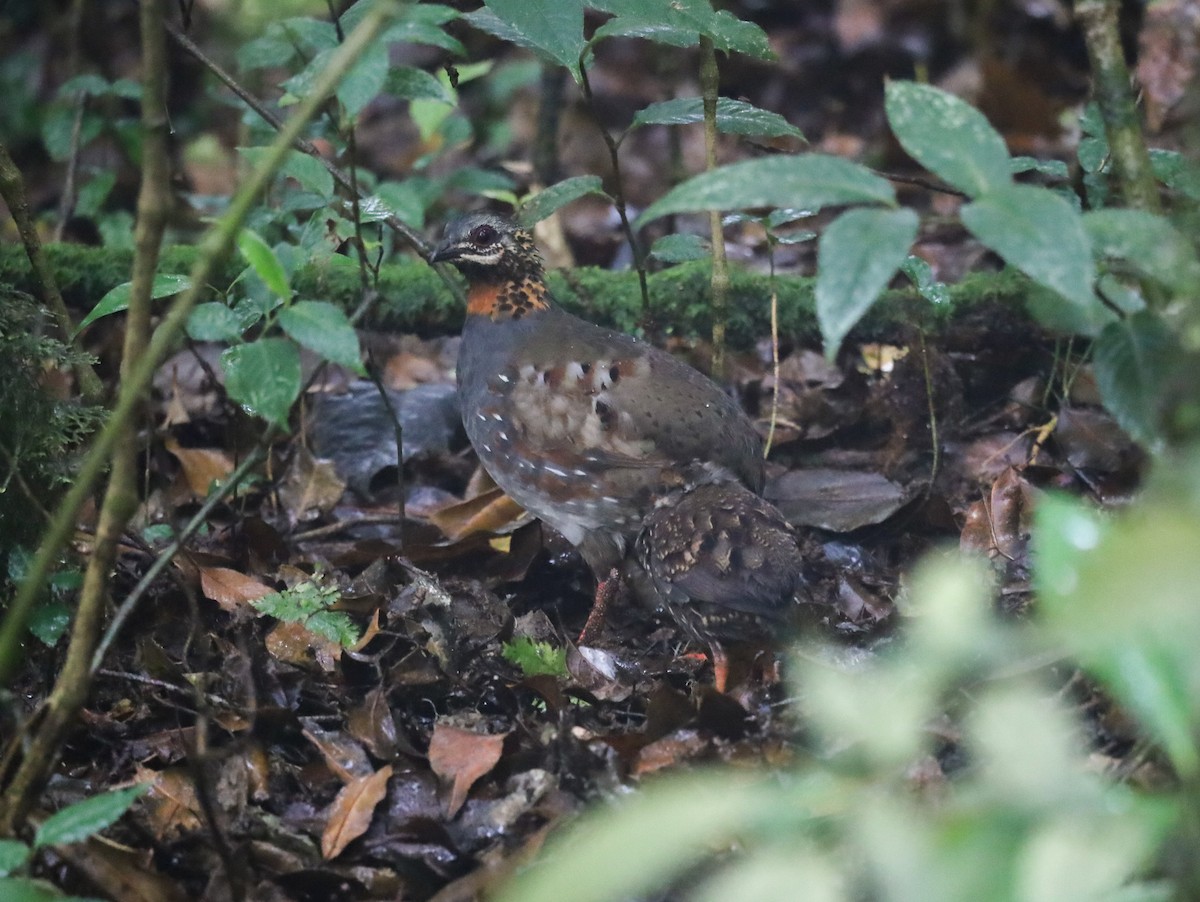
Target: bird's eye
x,y
484,235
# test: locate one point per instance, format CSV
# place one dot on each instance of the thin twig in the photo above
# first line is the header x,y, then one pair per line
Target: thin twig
x,y
66,203
710,84
618,192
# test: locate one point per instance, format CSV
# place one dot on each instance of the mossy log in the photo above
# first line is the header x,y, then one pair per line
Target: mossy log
x,y
414,298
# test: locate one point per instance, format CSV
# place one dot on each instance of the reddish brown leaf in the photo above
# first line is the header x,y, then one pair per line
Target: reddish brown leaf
x,y
462,757
201,466
311,487
351,812
373,725
171,804
296,644
230,589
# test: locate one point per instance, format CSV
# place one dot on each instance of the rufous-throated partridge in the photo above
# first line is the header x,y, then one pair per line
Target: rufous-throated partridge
x,y
636,458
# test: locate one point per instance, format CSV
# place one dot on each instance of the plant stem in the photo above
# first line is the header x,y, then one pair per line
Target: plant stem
x,y
19,793
710,83
1112,88
618,193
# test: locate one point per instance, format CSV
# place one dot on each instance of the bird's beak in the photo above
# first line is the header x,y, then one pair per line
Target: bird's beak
x,y
444,252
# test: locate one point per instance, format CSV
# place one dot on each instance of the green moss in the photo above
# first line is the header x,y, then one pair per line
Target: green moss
x,y
414,298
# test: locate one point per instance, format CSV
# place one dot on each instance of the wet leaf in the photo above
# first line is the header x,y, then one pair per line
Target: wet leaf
x,y
230,589
948,136
536,208
489,512
325,329
840,500
311,487
735,117
806,182
858,253
171,803
342,754
551,28
202,467
350,814
1040,234
372,724
462,757
264,377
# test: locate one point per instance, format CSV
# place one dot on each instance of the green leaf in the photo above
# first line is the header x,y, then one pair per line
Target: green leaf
x,y
410,83
920,273
681,23
1056,169
1040,234
679,248
213,322
536,657
948,136
13,854
808,182
94,193
1134,360
548,200
264,377
402,200
26,889
1177,172
58,126
83,819
551,28
49,622
309,172
654,834
1093,152
324,328
1153,246
117,299
365,79
735,117
264,262
857,256
420,23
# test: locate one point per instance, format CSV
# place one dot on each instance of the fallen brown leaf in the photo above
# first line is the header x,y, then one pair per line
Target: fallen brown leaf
x,y
462,757
351,812
491,511
201,466
229,588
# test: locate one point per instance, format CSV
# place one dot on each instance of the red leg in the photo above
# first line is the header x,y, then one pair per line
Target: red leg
x,y
606,591
720,667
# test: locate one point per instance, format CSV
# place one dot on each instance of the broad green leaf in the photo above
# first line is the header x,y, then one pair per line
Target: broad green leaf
x,y
264,262
1134,359
1147,242
365,79
679,248
264,377
26,889
213,322
94,193
420,23
83,819
809,182
1040,234
548,200
324,328
410,83
1123,595
87,83
1177,172
117,299
49,622
681,23
654,834
309,172
857,256
735,117
13,854
404,201
1093,152
551,28
58,127
948,136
